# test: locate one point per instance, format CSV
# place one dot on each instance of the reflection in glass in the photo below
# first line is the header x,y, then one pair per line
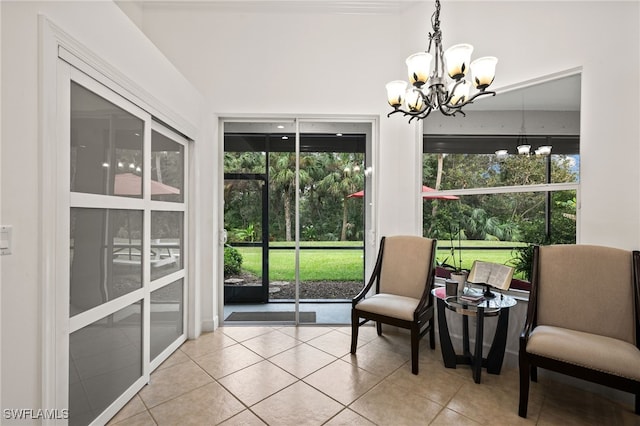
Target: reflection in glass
x,y
166,243
483,170
106,146
167,169
105,359
491,226
105,257
166,316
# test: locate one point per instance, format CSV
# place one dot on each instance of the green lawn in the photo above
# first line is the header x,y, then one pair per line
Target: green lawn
x,y
348,265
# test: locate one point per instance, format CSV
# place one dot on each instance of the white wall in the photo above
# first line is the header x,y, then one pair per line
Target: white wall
x,y
281,59
104,29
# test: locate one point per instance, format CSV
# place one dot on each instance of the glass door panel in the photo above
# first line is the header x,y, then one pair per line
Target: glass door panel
x,y
244,252
105,359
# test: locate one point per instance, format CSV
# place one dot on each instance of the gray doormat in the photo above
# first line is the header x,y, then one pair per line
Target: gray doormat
x,y
271,316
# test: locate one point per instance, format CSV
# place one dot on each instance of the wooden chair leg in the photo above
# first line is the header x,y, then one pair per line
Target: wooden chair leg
x,y
379,328
638,403
415,343
432,334
525,370
534,374
354,331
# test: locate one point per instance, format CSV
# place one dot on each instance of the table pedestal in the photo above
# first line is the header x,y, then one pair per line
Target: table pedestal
x,y
493,361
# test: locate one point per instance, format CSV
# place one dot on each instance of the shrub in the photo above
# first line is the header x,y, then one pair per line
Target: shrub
x,y
232,261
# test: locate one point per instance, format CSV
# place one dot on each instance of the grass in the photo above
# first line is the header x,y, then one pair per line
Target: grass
x,y
348,265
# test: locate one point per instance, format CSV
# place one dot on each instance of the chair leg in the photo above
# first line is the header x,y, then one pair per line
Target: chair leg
x,y
525,369
379,328
534,374
354,330
432,334
638,403
415,343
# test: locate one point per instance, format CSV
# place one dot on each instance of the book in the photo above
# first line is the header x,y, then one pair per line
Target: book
x,y
473,298
489,273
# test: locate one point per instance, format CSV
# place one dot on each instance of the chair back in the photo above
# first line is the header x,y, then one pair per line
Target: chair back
x,y
586,288
406,265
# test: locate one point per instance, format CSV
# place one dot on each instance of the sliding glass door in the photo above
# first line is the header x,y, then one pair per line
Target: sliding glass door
x,y
123,231
296,216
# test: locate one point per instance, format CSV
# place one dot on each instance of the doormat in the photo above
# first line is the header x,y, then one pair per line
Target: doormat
x,y
271,316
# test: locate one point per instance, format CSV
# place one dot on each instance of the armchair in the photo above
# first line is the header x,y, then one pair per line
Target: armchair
x,y
583,318
403,278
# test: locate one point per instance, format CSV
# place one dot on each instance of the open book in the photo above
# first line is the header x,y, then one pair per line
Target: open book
x,y
493,274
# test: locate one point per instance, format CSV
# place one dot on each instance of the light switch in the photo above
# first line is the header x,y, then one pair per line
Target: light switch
x,y
6,232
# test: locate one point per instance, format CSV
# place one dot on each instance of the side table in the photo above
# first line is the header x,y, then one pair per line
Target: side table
x,y
497,306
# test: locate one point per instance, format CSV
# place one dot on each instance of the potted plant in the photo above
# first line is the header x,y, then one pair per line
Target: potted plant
x,y
458,274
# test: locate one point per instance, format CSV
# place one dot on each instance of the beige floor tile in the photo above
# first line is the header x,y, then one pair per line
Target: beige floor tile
x,y
432,382
335,343
131,408
448,417
379,359
366,333
299,404
257,382
343,381
142,419
302,360
207,343
305,333
175,358
227,360
270,344
387,404
207,405
568,405
245,418
173,381
491,404
241,334
347,417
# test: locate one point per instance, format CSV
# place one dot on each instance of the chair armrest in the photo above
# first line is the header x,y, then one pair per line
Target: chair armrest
x,y
375,276
358,297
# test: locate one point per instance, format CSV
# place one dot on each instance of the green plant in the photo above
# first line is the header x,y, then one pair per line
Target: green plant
x,y
232,261
247,234
522,261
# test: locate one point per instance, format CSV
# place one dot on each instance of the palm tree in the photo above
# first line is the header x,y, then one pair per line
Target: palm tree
x,y
341,181
282,178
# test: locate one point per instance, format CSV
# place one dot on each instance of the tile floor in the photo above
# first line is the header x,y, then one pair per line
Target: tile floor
x,y
249,375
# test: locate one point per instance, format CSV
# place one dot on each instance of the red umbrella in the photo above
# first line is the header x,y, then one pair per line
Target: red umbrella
x,y
131,184
360,194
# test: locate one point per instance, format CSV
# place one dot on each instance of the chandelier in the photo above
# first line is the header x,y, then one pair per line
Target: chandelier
x,y
433,90
523,146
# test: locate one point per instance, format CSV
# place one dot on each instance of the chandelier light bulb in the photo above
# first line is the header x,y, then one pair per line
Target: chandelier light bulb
x,y
459,92
502,154
395,92
458,58
418,66
414,100
483,71
524,149
543,150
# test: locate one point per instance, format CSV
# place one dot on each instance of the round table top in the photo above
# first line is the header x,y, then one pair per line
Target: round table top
x,y
491,306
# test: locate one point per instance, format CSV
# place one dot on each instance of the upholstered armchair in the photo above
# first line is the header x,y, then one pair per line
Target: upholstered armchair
x,y
403,278
583,318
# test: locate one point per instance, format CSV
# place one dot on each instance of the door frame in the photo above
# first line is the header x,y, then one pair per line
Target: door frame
x,y
57,50
371,195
